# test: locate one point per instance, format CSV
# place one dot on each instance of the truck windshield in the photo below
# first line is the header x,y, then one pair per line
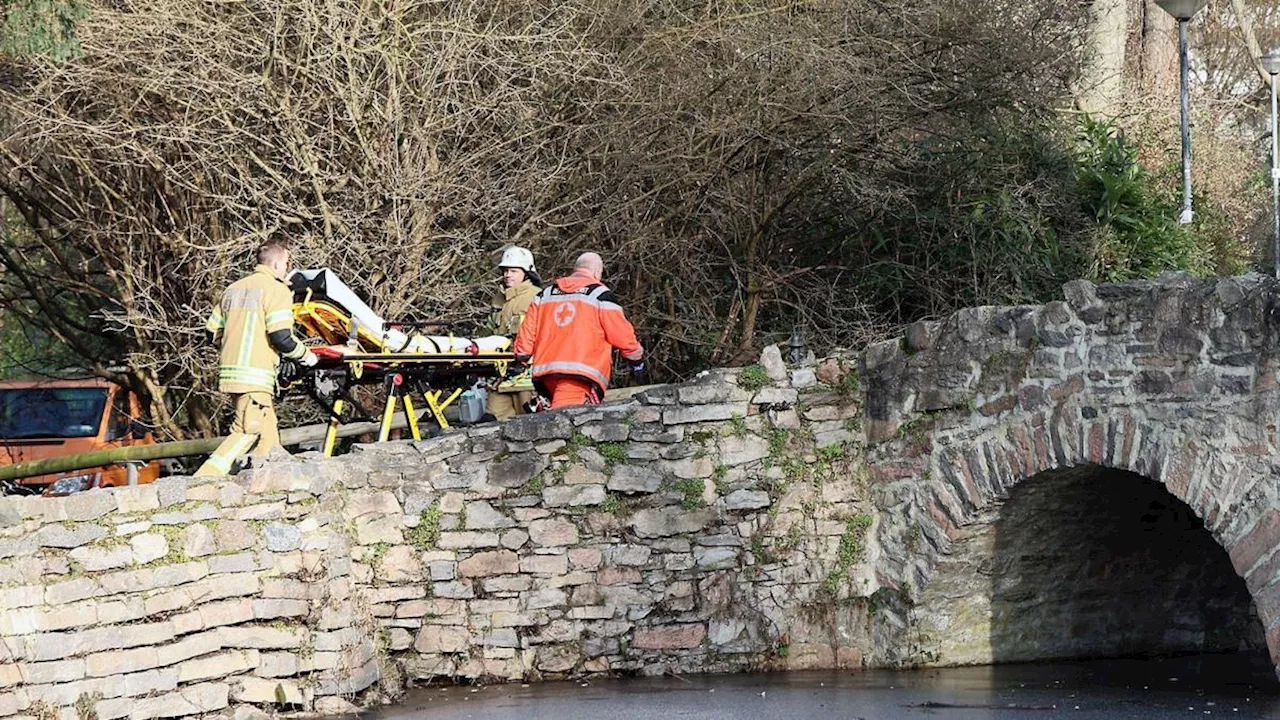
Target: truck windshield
x,y
51,412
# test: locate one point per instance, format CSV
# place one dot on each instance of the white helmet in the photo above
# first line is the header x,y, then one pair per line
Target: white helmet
x,y
517,257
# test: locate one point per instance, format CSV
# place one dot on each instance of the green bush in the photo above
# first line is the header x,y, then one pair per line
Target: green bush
x,y
1137,234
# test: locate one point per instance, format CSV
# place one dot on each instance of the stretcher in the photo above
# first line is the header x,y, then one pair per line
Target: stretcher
x,y
356,346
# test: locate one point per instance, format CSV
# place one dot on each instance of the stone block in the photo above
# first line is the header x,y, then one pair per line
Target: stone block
x,y
272,608
238,563
571,495
58,671
585,558
282,537
82,506
21,596
443,570
400,564
97,559
607,431
802,378
191,700
507,584
550,532
467,540
774,367
262,638
545,564
747,500
702,413
61,536
335,706
233,535
198,541
715,558
114,662
133,528
453,590
670,637
18,548
582,475
137,499
217,666
627,555
72,590
617,576
379,503
663,522
442,639
485,564
635,479
546,598
226,612
517,469
183,573
148,547
691,468
482,516
776,396
374,530
538,427
741,449
278,665
266,691
500,637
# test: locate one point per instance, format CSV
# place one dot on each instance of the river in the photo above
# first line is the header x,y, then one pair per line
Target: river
x,y
1235,686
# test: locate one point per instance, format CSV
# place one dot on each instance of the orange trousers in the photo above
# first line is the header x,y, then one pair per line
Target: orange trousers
x,y
567,391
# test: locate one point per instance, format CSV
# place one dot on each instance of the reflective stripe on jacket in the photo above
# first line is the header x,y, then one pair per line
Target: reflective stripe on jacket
x,y
572,327
249,311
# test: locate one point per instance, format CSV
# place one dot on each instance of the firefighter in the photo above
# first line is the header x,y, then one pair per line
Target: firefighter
x,y
570,332
253,326
520,283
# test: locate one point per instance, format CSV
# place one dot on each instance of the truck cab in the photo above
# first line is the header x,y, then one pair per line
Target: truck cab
x,y
49,418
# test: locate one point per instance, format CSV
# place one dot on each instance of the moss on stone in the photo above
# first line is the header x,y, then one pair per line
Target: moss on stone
x,y
753,377
427,533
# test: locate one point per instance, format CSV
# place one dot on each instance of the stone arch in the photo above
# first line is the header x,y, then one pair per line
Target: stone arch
x,y
1175,382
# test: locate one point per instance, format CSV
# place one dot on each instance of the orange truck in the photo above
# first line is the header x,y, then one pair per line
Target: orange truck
x,y
54,417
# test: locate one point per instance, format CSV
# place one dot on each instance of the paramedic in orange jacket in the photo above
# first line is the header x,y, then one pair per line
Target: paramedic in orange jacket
x,y
570,332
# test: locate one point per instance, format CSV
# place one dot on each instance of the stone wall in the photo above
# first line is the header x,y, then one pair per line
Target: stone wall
x,y
1176,381
773,517
704,527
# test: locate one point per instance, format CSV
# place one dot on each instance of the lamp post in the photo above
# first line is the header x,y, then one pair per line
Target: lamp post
x,y
1271,63
1183,11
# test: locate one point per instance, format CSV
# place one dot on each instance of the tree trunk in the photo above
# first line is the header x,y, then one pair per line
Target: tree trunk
x,y
1101,85
1157,73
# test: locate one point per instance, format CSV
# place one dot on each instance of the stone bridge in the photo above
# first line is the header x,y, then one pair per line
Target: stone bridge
x,y
1092,477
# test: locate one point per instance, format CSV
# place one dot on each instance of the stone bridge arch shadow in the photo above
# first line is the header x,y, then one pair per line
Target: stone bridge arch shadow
x,y
1090,478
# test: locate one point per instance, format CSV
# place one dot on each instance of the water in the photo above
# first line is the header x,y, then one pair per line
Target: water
x,y
1233,686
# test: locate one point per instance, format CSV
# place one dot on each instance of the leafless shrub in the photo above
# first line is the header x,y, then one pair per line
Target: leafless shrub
x,y
718,153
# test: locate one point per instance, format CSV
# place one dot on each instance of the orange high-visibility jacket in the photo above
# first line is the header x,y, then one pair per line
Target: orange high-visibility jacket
x,y
572,327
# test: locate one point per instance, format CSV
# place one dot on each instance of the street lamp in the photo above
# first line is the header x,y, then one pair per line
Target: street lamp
x,y
1271,63
1183,10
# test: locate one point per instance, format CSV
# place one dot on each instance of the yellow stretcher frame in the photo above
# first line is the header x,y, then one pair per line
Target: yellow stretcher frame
x,y
330,324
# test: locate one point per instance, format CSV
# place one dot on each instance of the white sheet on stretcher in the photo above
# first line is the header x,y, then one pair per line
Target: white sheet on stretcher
x,y
395,340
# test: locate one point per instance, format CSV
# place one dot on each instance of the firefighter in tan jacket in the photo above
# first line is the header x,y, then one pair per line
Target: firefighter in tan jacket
x,y
254,325
520,284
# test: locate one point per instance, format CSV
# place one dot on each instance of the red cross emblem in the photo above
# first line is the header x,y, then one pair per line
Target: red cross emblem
x,y
564,314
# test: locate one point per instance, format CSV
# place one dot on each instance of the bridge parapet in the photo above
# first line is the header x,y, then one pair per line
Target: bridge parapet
x,y
770,517
710,526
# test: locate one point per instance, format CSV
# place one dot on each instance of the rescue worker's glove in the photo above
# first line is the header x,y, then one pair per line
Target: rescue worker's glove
x,y
638,369
309,359
287,374
517,366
